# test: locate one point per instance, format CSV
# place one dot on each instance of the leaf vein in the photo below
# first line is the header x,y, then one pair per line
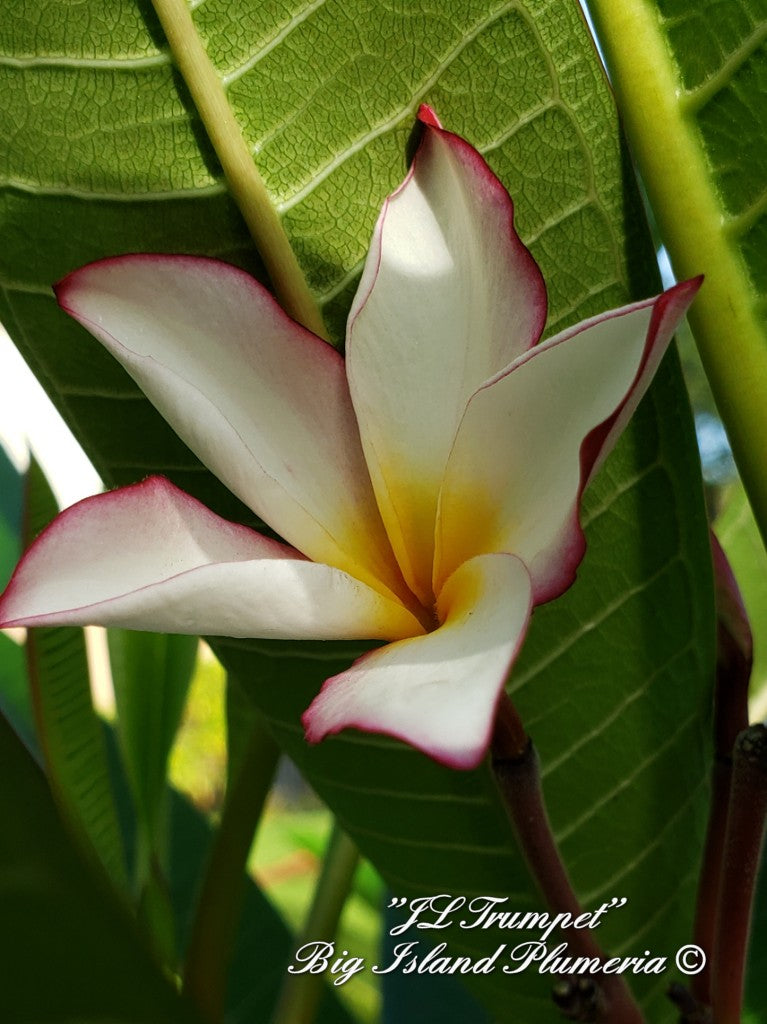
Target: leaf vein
x,y
614,715
70,192
629,866
88,63
272,43
407,112
692,101
586,627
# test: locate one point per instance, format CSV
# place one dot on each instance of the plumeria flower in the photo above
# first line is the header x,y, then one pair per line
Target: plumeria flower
x,y
427,488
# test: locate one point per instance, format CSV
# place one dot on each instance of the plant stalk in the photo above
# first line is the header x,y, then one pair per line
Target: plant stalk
x,y
516,768
660,121
742,854
219,903
301,993
733,672
242,176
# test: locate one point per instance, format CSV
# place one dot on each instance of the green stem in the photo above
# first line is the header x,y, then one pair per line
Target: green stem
x,y
301,993
218,908
245,183
659,121
155,913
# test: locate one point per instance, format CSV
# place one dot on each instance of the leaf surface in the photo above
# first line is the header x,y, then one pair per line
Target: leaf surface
x,y
69,731
151,673
70,952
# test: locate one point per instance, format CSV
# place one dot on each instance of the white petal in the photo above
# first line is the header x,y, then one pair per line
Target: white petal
x,y
260,400
151,557
438,692
449,296
531,439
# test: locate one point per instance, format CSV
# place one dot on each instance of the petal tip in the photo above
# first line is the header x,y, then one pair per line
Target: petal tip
x,y
314,731
425,119
427,116
687,290
62,290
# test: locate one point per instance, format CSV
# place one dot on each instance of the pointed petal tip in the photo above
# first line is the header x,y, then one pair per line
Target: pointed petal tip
x,y
151,557
679,296
427,116
8,598
65,290
41,560
94,273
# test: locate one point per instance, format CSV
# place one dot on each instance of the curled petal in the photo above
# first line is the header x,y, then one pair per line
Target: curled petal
x,y
263,402
438,692
151,557
532,437
448,297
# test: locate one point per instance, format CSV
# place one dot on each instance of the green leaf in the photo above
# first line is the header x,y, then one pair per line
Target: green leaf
x,y
15,701
68,728
220,893
690,83
70,952
14,688
615,677
251,993
263,937
241,720
151,673
10,516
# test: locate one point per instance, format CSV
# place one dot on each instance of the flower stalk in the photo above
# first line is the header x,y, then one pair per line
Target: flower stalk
x,y
733,672
218,908
301,993
742,852
242,176
517,772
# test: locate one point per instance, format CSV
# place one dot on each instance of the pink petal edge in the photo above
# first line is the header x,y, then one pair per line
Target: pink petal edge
x,y
439,748
151,488
191,331
494,190
668,309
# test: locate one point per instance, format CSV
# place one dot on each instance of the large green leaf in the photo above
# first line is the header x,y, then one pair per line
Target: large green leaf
x,y
69,951
10,515
15,703
14,688
68,729
251,993
106,156
151,673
